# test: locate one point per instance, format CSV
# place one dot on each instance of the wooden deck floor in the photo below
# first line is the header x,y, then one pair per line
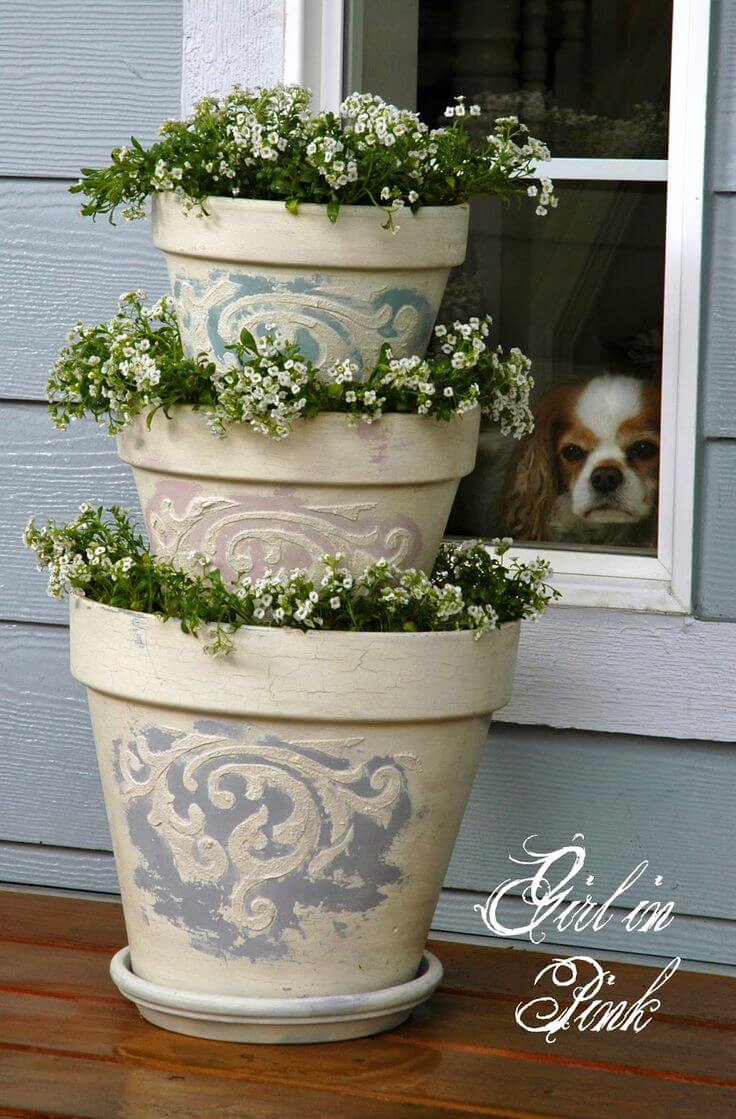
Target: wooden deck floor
x,y
70,1046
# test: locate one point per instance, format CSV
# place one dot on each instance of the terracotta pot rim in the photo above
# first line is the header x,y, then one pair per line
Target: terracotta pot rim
x,y
311,634
325,450
348,210
340,676
262,232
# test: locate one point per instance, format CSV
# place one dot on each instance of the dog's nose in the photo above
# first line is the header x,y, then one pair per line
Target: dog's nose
x,y
605,479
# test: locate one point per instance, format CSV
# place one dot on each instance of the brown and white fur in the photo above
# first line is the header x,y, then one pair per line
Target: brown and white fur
x,y
589,471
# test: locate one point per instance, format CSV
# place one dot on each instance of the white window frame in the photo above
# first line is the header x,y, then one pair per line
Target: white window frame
x,y
661,583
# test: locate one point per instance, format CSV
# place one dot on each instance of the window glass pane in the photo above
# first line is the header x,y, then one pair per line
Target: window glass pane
x,y
581,290
591,77
581,293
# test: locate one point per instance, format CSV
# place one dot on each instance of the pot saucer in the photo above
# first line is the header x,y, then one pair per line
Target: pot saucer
x,y
275,1021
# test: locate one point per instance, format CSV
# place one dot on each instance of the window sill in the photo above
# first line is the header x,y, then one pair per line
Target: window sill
x,y
620,581
645,595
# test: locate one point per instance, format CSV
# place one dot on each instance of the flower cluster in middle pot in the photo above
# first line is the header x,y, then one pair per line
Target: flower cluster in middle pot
x,y
269,463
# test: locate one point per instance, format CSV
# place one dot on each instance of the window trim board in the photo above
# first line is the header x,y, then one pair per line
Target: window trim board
x,y
628,582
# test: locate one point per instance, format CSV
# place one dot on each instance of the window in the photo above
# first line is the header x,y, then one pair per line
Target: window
x,y
603,293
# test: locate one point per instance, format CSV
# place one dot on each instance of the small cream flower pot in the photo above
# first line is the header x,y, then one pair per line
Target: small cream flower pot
x,y
282,817
339,290
252,504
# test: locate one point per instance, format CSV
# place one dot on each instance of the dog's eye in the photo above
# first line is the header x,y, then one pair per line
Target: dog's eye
x,y
643,449
573,453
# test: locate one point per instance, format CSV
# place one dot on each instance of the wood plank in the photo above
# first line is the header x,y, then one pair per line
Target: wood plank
x,y
717,546
691,1038
388,1068
47,473
47,919
677,1050
78,76
508,973
462,1053
63,950
57,268
61,973
41,1085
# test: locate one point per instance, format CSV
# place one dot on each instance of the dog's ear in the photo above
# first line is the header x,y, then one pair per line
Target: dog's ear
x,y
531,482
652,397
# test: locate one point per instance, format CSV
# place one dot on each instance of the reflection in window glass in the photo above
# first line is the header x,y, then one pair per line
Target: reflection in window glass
x,y
583,297
589,76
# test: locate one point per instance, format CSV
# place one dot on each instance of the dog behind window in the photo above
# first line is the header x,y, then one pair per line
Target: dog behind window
x,y
589,472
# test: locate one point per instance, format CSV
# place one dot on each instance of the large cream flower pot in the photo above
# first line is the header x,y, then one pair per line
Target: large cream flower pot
x,y
282,817
339,290
252,504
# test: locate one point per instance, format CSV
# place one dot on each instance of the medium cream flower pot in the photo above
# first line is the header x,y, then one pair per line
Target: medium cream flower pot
x,y
282,817
249,503
339,290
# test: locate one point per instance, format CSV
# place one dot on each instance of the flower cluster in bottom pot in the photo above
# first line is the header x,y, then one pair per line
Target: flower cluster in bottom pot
x,y
102,556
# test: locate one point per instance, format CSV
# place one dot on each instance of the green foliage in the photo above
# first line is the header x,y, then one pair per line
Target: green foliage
x,y
135,363
265,143
100,555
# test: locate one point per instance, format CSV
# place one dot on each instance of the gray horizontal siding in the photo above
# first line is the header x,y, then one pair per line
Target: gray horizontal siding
x,y
45,473
715,544
65,867
685,665
77,77
717,571
691,938
719,356
679,797
722,101
49,788
57,268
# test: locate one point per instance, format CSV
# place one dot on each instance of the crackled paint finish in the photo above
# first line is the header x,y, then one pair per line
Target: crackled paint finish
x,y
330,316
239,832
276,531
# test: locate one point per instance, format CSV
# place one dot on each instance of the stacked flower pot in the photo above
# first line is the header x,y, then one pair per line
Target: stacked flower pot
x,y
282,817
